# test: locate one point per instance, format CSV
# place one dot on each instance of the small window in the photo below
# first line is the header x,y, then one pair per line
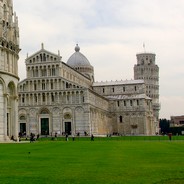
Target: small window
x,y
43,86
103,90
41,59
137,102
113,90
44,72
44,57
52,85
181,122
53,98
124,89
36,73
43,97
118,103
131,103
124,103
35,99
121,119
53,72
68,98
67,86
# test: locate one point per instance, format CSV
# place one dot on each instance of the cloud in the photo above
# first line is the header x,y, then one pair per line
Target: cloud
x,y
171,106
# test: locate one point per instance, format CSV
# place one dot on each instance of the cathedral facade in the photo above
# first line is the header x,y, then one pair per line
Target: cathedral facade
x,y
9,50
63,98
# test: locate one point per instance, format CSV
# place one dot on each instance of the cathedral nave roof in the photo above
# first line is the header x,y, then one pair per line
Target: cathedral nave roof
x,y
114,83
127,97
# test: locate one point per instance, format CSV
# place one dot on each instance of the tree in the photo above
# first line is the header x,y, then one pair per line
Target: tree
x,y
164,126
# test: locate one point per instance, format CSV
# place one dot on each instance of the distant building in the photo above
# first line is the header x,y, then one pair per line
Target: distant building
x,y
9,50
177,121
63,97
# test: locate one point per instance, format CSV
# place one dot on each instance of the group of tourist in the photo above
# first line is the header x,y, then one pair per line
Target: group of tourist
x,y
34,137
73,137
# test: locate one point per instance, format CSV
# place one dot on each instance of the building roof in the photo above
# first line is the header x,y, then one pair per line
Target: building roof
x,y
125,97
116,83
78,59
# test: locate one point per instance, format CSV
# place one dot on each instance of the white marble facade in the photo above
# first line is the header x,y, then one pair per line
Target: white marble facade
x,y
9,50
58,97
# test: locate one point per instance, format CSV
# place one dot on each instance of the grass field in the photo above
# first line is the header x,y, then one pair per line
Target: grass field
x,y
98,162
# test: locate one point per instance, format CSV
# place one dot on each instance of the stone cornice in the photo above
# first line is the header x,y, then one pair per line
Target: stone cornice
x,y
12,47
10,74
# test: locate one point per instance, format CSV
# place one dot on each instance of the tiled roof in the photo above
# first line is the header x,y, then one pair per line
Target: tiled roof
x,y
116,83
125,97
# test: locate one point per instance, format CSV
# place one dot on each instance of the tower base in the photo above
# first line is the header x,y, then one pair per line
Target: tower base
x,y
4,139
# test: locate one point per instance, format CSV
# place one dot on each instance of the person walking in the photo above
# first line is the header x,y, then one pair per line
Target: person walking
x,y
73,137
92,137
170,136
66,137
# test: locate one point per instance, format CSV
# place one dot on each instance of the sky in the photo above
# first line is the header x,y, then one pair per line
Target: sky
x,y
110,34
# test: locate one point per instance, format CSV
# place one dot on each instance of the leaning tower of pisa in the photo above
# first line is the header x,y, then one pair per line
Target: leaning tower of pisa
x,y
9,50
147,70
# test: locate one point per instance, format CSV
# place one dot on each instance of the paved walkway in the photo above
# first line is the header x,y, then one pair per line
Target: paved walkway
x,y
14,142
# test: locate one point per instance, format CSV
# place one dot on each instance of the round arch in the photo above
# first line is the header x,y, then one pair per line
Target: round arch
x,y
11,88
3,85
68,125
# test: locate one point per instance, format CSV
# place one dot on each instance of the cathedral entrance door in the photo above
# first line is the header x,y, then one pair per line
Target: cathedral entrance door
x,y
22,127
68,128
44,126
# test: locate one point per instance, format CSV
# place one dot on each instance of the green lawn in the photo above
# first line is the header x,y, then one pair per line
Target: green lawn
x,y
98,162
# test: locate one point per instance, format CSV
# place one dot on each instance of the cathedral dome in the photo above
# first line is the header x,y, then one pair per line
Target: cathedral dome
x,y
78,59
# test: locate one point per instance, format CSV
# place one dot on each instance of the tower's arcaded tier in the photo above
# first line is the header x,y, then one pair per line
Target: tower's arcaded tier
x,y
147,70
9,50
